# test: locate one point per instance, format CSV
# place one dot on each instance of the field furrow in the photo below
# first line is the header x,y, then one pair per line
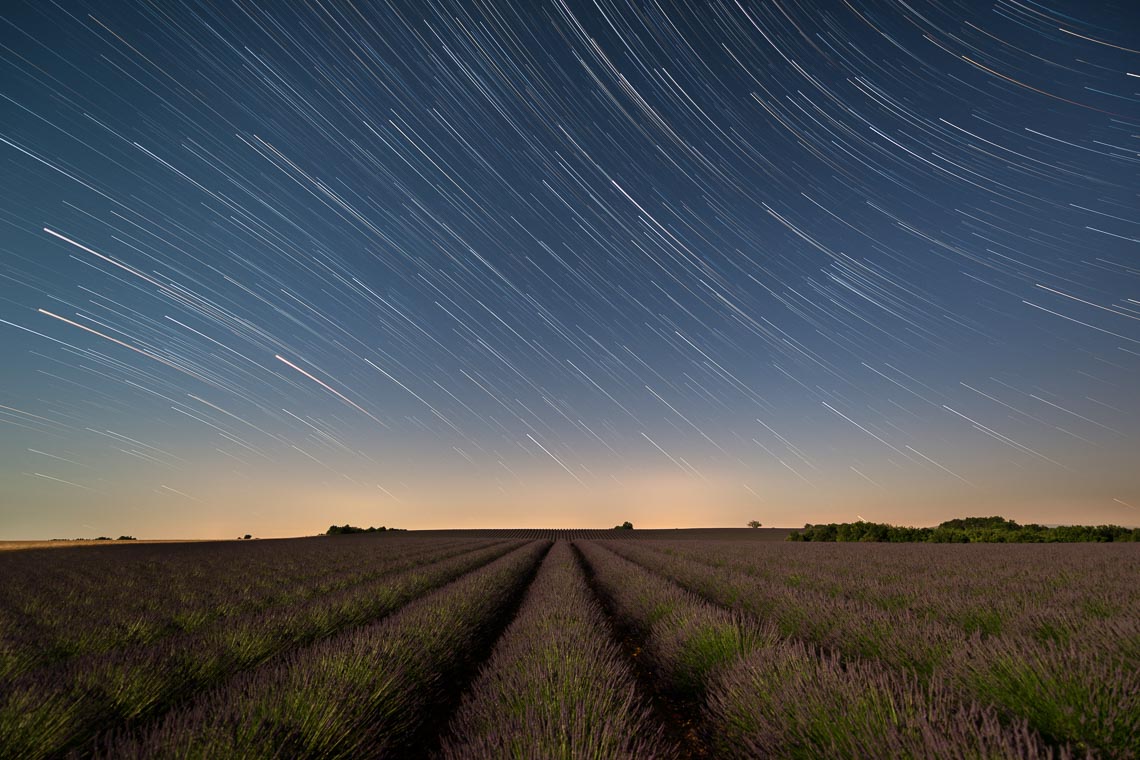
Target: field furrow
x,y
677,712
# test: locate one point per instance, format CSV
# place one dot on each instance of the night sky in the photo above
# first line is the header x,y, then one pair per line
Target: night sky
x,y
269,266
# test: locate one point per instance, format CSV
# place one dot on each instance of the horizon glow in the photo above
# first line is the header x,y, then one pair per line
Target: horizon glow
x,y
442,264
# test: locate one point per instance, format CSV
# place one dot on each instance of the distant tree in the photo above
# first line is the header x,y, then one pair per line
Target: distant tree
x,y
247,536
102,538
127,538
753,523
980,523
627,525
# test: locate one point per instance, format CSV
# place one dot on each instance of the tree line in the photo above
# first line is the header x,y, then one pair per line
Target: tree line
x,y
966,530
340,530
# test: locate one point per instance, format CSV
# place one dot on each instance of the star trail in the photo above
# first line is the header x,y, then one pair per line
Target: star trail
x,y
268,266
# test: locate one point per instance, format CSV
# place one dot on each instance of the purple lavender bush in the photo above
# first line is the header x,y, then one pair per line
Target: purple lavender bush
x,y
789,702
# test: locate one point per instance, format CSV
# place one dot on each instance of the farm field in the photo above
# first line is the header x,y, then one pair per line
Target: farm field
x,y
579,534
11,546
559,644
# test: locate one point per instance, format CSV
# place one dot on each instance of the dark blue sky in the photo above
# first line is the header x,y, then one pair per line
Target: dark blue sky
x,y
426,264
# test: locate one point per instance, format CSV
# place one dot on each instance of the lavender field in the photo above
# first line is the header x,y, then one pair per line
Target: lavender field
x,y
531,644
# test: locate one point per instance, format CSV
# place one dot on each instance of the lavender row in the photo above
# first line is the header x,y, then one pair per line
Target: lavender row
x,y
789,702
1084,693
817,602
764,695
556,685
308,615
852,627
52,709
107,597
1059,587
371,692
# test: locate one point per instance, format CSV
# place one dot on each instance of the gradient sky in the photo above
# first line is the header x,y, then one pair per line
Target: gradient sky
x,y
269,266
